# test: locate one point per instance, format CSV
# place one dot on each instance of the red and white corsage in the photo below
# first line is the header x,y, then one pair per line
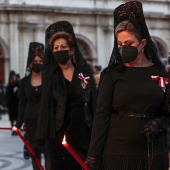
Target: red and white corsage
x,y
85,80
162,81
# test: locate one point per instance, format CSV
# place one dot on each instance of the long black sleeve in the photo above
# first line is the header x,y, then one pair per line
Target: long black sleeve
x,y
165,116
102,115
21,107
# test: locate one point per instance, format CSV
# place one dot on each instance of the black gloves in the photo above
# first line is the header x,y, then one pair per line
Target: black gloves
x,y
152,127
94,163
90,161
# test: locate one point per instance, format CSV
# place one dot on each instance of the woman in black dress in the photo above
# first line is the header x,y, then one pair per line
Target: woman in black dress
x,y
132,112
29,100
12,98
2,100
68,101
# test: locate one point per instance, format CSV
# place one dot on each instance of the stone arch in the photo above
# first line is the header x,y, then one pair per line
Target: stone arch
x,y
4,61
87,48
162,46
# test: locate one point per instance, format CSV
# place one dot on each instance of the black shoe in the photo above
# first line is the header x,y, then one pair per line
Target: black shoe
x,y
14,133
26,153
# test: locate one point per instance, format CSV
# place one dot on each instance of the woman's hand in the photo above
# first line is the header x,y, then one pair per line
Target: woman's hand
x,y
152,127
90,161
13,128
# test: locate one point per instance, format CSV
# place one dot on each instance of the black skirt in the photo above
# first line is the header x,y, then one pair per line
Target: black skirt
x,y
119,162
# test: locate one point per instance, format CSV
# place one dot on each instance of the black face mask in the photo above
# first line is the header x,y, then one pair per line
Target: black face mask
x,y
128,53
36,67
61,56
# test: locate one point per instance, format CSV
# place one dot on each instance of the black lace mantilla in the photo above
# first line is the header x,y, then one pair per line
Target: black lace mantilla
x,y
132,11
64,26
129,10
35,48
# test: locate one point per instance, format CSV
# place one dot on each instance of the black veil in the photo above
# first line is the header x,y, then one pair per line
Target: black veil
x,y
35,48
47,125
133,12
64,26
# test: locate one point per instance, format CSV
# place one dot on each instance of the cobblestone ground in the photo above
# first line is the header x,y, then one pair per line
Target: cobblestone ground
x,y
11,149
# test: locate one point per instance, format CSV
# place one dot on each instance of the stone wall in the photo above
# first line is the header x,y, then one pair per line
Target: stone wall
x,y
26,21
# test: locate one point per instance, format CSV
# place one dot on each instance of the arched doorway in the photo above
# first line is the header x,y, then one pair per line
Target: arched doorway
x,y
162,48
2,76
85,50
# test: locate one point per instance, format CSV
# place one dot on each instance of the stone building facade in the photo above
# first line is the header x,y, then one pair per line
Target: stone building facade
x,y
23,21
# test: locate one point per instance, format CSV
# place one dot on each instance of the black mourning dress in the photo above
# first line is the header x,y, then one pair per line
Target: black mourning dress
x,y
122,94
74,126
29,103
12,100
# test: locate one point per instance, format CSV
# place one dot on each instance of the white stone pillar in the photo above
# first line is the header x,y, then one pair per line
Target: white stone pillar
x,y
13,43
101,46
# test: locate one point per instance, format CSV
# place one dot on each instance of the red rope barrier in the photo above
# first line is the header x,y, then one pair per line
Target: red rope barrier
x,y
26,144
5,128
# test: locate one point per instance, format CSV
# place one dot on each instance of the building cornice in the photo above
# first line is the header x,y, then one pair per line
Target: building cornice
x,y
68,10
39,8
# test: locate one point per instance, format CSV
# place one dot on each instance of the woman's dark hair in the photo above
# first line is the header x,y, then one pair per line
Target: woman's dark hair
x,y
33,57
127,26
68,37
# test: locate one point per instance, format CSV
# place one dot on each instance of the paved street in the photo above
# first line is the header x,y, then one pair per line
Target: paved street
x,y
11,149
